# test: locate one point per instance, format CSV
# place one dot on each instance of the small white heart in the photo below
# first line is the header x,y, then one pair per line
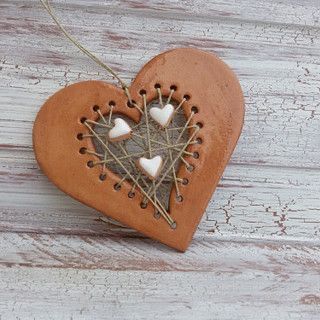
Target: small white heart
x,y
121,130
151,167
162,116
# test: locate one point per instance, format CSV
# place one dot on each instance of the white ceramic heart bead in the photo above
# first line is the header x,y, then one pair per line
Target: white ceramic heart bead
x,y
162,116
121,131
151,167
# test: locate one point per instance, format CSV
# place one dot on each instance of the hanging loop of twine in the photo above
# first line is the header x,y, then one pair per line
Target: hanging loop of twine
x,y
48,8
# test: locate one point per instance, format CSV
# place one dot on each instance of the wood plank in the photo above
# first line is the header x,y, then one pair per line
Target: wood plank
x,y
83,294
119,253
278,69
277,131
251,201
276,12
256,253
221,280
277,65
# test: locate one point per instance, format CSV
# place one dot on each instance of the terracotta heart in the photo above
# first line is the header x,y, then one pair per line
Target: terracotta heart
x,y
212,90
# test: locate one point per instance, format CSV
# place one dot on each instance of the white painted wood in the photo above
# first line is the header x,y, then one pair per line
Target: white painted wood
x,y
278,66
256,253
109,278
103,294
128,252
250,202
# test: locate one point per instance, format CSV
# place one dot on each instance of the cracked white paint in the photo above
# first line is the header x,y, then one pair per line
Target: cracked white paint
x,y
269,192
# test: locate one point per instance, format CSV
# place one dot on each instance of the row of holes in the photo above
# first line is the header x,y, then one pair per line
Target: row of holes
x,y
90,163
117,187
158,86
194,109
142,92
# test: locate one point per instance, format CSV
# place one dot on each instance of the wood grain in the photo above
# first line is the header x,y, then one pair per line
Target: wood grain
x,y
255,254
277,66
122,253
80,277
250,202
101,294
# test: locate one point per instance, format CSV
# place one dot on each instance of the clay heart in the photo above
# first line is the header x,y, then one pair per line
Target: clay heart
x,y
151,167
121,130
210,97
162,116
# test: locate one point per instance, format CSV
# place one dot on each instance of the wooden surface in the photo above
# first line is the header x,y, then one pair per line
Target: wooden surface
x,y
256,253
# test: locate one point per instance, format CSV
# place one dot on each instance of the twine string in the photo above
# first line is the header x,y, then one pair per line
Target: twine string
x,y
163,213
48,8
149,142
147,137
168,141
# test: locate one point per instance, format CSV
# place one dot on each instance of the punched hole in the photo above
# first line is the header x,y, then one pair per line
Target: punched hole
x,y
194,109
83,119
131,194
185,181
190,167
199,124
196,155
83,150
102,176
80,136
173,87
96,108
179,198
157,86
90,164
117,187
112,103
131,104
157,215
187,97
143,205
199,141
173,225
142,92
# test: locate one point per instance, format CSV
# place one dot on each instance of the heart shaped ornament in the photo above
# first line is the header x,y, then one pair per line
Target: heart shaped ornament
x,y
164,115
151,164
121,131
151,167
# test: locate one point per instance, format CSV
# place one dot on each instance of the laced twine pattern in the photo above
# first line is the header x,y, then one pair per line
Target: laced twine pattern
x,y
148,140
147,137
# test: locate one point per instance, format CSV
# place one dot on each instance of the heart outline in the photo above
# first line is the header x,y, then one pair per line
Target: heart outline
x,y
222,91
124,135
145,168
155,114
